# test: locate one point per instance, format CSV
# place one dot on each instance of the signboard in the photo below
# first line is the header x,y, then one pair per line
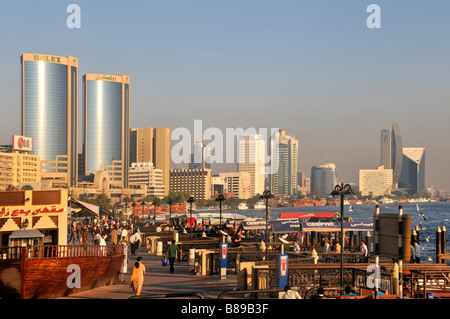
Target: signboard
x,y
283,271
285,225
330,226
254,225
392,236
223,260
22,143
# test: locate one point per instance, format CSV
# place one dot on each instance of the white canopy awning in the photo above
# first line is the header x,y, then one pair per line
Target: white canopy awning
x,y
26,233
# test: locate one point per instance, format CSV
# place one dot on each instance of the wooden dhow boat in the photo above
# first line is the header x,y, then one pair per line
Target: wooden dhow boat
x,y
52,271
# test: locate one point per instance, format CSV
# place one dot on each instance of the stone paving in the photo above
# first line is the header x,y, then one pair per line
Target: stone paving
x,y
159,280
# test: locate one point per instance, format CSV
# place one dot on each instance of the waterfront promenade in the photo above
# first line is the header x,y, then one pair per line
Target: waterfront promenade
x,y
159,280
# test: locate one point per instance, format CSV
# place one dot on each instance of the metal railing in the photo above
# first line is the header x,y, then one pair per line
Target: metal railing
x,y
60,251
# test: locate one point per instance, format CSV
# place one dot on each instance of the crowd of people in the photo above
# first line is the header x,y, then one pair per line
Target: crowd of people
x,y
102,232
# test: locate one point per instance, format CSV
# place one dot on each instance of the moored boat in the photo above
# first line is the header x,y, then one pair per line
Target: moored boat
x,y
243,206
259,205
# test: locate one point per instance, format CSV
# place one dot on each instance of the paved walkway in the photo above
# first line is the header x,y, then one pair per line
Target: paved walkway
x,y
159,280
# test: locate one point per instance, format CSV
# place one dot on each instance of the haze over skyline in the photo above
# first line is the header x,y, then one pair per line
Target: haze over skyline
x,y
312,68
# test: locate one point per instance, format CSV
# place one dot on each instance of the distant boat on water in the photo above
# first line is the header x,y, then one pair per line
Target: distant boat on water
x,y
243,206
259,205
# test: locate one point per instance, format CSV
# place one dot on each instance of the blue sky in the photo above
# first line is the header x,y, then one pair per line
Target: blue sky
x,y
312,67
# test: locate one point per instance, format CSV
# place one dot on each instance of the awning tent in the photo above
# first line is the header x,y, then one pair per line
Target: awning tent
x,y
307,215
84,209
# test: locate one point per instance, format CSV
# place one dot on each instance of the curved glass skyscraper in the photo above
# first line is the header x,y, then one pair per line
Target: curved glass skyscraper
x,y
49,110
106,124
392,152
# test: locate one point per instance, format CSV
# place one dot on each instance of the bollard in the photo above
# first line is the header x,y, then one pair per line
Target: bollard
x,y
159,248
262,246
414,236
175,236
438,245
395,281
314,255
191,256
444,242
369,243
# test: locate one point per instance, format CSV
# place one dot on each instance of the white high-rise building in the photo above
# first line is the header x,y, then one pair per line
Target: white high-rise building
x,y
146,174
251,156
284,179
201,156
323,178
377,182
412,178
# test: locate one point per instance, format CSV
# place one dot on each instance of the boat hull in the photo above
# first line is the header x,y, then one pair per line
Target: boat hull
x,y
53,277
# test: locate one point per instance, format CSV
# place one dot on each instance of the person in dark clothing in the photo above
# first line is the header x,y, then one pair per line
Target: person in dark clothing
x,y
172,254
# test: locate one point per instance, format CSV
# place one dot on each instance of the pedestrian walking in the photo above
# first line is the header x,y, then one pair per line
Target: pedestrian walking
x,y
114,235
134,243
137,276
124,267
364,251
172,254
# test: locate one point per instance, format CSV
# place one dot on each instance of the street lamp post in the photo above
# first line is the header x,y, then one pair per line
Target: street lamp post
x,y
342,190
191,201
134,214
143,209
266,195
170,214
154,211
220,198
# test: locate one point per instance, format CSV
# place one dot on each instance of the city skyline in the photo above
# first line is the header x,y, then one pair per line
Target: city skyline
x,y
315,70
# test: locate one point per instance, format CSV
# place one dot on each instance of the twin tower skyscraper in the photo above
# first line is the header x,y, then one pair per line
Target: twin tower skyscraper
x,y
50,117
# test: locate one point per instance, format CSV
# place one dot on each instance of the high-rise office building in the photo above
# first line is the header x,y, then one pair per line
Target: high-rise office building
x,y
377,182
200,158
50,112
251,160
238,183
196,182
285,179
107,125
391,152
323,178
152,145
412,178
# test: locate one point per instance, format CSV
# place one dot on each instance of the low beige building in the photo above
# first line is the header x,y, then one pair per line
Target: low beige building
x,y
42,210
238,183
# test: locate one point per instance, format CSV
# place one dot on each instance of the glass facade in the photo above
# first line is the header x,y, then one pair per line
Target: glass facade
x,y
103,127
45,107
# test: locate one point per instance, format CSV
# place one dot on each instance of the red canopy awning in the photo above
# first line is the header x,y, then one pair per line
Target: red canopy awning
x,y
306,215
